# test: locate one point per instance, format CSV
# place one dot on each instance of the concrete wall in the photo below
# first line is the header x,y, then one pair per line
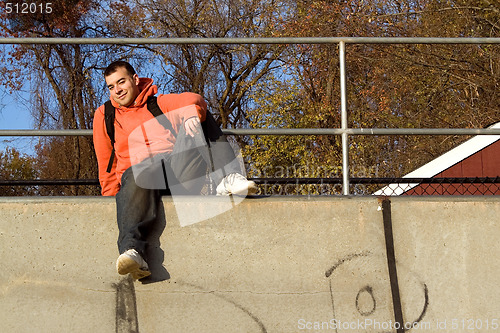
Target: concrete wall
x,y
279,264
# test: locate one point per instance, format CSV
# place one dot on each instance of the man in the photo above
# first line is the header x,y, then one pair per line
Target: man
x,y
146,146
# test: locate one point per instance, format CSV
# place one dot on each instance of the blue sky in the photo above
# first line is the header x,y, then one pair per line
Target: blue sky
x,y
15,115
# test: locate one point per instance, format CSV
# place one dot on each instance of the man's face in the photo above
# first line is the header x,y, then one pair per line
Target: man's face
x,y
123,87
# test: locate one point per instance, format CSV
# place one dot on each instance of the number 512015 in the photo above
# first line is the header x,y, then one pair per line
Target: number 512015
x,y
28,8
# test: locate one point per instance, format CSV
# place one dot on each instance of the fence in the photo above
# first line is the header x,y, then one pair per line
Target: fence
x,y
344,131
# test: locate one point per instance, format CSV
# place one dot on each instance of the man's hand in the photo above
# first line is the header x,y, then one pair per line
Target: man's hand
x,y
192,126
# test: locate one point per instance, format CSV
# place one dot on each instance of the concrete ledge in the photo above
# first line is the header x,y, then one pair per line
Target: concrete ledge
x,y
278,264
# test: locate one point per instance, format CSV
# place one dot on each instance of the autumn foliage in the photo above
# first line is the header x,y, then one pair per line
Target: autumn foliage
x,y
270,86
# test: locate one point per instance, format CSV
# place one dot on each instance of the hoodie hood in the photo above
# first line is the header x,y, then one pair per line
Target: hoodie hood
x,y
146,89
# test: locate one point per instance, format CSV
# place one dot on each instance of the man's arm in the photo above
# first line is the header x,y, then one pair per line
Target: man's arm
x,y
172,103
103,149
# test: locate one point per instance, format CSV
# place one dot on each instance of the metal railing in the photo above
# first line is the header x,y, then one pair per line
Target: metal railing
x,y
313,186
344,131
262,40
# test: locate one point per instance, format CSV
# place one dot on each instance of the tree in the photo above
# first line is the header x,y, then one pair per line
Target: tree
x,y
17,166
61,77
397,85
252,85
223,74
277,103
431,85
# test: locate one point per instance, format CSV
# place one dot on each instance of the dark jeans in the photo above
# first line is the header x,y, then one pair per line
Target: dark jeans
x,y
137,205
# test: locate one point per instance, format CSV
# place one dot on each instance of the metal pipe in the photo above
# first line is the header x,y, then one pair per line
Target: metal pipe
x,y
29,132
264,40
424,131
363,131
343,120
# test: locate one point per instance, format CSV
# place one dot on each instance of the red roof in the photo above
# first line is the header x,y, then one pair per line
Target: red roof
x,y
476,157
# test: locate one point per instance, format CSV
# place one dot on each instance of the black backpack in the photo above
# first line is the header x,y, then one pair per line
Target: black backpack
x,y
109,119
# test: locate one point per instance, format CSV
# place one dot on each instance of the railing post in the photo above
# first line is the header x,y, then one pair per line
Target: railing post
x,y
344,122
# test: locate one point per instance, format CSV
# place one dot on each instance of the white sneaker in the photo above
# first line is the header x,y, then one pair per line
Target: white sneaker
x,y
236,184
131,262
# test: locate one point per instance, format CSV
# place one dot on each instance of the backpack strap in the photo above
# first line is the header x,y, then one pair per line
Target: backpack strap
x,y
159,115
109,119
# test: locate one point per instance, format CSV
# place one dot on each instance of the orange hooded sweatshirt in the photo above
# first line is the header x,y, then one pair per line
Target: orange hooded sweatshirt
x,y
137,134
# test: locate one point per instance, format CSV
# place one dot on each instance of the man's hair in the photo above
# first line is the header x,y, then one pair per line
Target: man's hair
x,y
113,67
